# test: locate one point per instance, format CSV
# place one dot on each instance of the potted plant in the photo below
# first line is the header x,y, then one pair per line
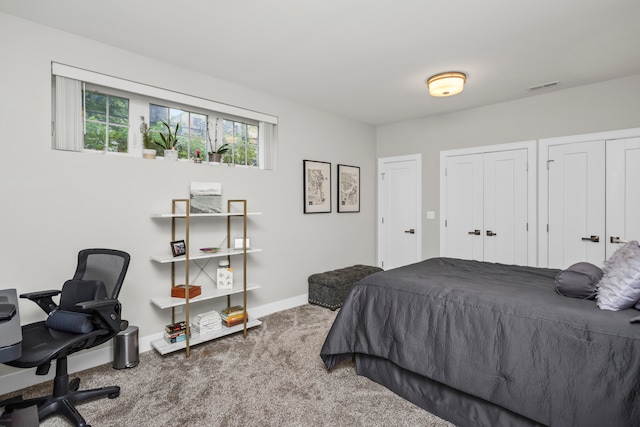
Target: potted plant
x,y
216,155
149,151
169,141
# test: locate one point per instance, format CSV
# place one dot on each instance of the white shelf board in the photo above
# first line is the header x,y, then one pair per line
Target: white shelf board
x,y
208,292
166,258
202,215
164,347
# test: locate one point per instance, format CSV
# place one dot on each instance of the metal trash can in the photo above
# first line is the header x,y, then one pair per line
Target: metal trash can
x,y
126,349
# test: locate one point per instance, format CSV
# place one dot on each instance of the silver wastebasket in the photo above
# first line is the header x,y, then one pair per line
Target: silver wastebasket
x,y
125,349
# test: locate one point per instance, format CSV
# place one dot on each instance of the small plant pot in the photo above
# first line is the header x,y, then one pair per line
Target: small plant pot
x,y
171,154
215,157
149,153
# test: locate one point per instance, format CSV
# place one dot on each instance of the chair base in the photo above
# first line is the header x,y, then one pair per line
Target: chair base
x,y
62,402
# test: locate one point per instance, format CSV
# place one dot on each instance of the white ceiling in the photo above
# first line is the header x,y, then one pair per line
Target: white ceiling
x,y
368,59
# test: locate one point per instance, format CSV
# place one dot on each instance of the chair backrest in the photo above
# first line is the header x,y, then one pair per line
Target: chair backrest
x,y
107,265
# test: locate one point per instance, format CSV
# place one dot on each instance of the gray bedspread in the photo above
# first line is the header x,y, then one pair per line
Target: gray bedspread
x,y
500,333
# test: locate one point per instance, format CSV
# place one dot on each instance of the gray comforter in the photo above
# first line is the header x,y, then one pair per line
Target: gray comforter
x,y
500,333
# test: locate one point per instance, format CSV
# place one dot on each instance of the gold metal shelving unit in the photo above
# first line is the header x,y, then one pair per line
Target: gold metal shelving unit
x,y
167,302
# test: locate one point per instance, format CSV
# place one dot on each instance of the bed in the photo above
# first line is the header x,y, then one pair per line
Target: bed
x,y
484,344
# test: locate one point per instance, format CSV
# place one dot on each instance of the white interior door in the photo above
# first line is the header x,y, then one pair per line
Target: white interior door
x,y
399,204
576,214
505,207
623,192
464,207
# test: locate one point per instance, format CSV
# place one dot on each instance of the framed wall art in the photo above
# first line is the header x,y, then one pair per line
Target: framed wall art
x,y
348,188
317,186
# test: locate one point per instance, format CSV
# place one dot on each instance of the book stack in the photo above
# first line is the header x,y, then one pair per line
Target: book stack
x,y
175,332
232,316
205,323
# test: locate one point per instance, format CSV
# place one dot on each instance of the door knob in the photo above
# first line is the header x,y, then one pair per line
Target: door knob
x,y
618,240
410,231
491,233
594,239
475,232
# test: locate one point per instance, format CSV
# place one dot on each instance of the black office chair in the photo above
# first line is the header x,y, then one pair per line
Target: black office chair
x,y
87,315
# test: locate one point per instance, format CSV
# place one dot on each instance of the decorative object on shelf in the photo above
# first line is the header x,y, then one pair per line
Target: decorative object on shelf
x,y
197,158
224,275
179,291
205,323
238,244
348,188
205,197
149,151
210,250
232,316
178,248
317,186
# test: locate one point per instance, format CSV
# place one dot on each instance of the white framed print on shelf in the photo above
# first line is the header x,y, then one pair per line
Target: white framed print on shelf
x,y
317,186
348,188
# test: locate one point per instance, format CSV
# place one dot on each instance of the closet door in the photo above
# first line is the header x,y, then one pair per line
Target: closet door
x,y
623,192
487,201
505,207
576,214
464,207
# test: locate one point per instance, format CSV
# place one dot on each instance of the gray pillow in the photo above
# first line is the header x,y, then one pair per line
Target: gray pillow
x,y
620,284
579,281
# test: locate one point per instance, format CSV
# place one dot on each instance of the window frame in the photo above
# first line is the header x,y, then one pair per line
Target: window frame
x,y
141,95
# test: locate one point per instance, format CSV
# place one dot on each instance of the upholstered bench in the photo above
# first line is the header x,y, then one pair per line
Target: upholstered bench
x,y
329,289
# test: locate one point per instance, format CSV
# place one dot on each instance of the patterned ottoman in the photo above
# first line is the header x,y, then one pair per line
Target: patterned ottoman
x,y
329,289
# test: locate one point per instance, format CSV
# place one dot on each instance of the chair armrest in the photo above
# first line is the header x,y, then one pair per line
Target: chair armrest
x,y
43,299
106,312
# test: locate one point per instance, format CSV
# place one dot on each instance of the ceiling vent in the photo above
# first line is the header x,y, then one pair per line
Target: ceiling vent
x,y
544,86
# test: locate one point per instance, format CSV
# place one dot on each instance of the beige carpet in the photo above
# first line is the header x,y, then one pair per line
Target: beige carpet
x,y
274,377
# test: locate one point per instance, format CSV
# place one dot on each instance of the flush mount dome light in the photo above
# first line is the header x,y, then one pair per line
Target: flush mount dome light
x,y
446,84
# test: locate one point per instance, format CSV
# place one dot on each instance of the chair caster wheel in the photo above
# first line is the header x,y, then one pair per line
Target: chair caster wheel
x,y
74,385
113,395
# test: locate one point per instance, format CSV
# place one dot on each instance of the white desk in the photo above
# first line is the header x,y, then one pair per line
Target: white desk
x,y
10,329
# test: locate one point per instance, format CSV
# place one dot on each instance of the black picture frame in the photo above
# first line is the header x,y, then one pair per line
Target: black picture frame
x,y
178,248
317,186
348,189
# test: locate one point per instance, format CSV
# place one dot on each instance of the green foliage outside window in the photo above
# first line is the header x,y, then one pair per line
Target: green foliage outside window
x,y
243,138
106,122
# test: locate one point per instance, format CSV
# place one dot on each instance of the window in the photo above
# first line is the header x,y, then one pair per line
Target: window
x,y
192,128
100,113
106,122
243,139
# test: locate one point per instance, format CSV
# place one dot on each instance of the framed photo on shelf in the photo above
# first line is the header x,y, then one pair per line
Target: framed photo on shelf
x,y
348,188
178,248
317,186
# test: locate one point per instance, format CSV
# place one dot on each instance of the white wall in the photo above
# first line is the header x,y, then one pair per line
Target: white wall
x,y
600,107
55,203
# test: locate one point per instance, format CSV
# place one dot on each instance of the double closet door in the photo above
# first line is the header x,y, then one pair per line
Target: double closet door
x,y
592,195
487,203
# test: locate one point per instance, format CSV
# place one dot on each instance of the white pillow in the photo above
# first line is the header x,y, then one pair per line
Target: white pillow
x,y
619,287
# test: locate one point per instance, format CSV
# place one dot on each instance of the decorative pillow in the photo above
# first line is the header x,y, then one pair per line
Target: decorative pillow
x,y
579,281
620,284
70,321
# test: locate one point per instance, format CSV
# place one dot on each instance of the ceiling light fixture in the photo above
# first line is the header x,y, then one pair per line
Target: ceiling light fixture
x,y
446,84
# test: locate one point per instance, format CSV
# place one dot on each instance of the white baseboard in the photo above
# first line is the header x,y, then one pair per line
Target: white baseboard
x,y
18,379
